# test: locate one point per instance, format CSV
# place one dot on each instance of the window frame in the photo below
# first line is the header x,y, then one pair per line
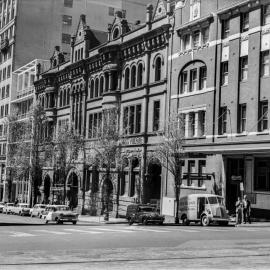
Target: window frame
x,y
263,120
224,73
156,115
265,63
242,118
225,32
243,68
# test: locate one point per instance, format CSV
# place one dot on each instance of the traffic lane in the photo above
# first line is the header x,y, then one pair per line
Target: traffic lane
x,y
75,236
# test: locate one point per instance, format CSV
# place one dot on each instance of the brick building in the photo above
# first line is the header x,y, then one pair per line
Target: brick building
x,y
220,84
128,71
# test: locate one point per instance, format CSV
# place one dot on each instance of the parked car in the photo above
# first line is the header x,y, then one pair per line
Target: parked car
x,y
22,209
8,208
141,213
203,208
37,210
2,206
60,214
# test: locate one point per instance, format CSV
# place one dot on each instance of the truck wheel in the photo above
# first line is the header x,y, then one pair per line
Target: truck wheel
x,y
74,222
46,222
205,220
130,221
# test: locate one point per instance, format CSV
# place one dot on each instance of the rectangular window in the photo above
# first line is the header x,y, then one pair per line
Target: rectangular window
x,y
191,170
3,92
265,63
66,38
2,111
111,11
243,117
196,39
6,109
132,119
4,73
184,82
243,68
203,78
1,130
201,123
222,121
193,80
66,20
192,124
225,29
201,171
262,174
205,35
244,22
4,149
68,3
186,42
266,14
8,71
7,91
94,124
224,73
263,120
156,115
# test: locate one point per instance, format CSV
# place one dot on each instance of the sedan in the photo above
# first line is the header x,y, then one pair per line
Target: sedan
x,y
60,214
8,208
37,210
22,209
2,205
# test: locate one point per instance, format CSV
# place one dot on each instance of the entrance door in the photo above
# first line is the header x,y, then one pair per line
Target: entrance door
x,y
235,170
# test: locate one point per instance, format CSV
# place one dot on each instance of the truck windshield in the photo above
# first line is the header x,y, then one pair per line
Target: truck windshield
x,y
212,200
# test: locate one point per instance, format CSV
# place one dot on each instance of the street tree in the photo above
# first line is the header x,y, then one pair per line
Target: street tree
x,y
68,144
106,151
25,143
170,153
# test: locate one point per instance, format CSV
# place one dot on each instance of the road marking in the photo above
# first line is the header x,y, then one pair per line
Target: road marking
x,y
82,231
186,230
147,230
21,234
52,232
112,230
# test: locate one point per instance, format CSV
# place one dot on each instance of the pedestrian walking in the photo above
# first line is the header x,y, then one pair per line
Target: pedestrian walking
x,y
246,210
239,211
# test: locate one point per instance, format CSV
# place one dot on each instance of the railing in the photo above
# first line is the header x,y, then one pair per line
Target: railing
x,y
25,92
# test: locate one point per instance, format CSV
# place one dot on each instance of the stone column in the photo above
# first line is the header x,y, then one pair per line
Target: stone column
x,y
71,107
110,81
83,113
196,131
186,125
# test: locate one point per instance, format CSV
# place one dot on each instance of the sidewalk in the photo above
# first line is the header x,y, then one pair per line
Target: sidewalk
x,y
100,220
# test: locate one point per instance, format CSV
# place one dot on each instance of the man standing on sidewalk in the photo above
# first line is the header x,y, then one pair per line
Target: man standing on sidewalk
x,y
247,209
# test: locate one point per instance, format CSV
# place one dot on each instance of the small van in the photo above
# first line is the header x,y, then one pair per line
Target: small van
x,y
203,208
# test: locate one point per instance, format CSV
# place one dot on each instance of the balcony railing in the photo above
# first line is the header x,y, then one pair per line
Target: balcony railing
x,y
25,92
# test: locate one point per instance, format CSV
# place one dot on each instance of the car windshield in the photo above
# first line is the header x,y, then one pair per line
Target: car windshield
x,y
62,208
146,209
212,200
24,205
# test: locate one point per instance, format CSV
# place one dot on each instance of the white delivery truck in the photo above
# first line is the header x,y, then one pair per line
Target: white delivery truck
x,y
203,208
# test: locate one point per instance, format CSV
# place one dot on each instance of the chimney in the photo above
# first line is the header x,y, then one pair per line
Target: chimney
x,y
149,14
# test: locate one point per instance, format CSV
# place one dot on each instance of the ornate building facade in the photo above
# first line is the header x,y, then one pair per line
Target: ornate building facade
x,y
127,72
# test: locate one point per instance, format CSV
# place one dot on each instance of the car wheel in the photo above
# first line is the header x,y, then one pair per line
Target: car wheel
x,y
160,223
185,221
205,220
144,221
130,221
46,221
74,222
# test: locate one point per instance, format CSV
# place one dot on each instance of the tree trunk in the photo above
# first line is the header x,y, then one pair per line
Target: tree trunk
x,y
107,195
177,193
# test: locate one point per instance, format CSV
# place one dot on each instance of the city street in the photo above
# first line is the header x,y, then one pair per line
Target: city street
x,y
27,243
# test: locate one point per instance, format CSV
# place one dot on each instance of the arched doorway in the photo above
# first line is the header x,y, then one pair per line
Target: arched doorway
x,y
47,189
72,190
153,184
107,195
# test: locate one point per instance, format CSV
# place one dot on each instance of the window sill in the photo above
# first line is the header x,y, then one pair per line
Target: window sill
x,y
241,134
224,85
263,133
244,81
222,136
195,138
265,76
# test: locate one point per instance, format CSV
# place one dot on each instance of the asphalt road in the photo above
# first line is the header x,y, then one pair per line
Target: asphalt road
x,y
27,243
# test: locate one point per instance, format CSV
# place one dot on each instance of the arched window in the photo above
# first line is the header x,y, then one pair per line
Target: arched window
x,y
96,87
140,74
158,69
81,53
65,97
92,89
116,33
127,78
133,76
76,55
101,86
61,99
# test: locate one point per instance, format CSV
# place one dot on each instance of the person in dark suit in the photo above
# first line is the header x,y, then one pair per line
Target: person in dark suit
x,y
247,209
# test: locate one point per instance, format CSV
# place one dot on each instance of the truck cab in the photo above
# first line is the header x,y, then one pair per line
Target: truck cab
x,y
203,208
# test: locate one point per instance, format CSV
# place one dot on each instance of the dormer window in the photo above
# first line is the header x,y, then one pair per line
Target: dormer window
x,y
116,33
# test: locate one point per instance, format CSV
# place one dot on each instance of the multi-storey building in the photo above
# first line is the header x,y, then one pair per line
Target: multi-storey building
x,y
29,29
127,72
220,82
